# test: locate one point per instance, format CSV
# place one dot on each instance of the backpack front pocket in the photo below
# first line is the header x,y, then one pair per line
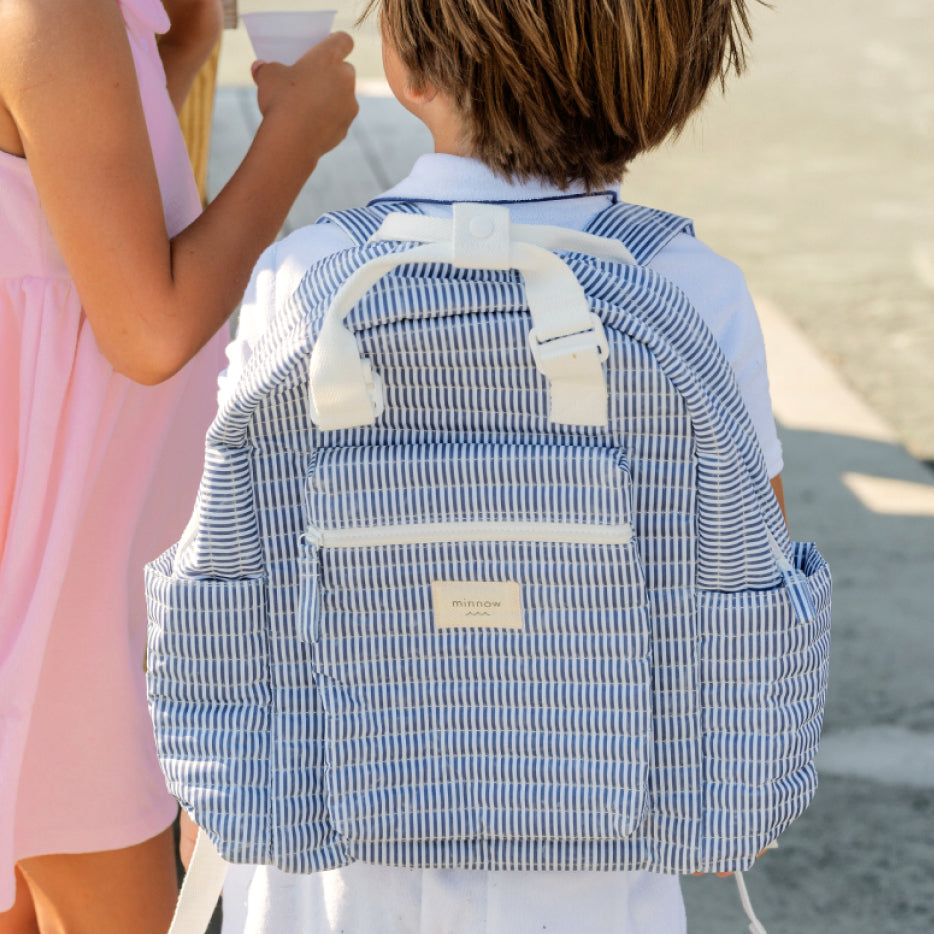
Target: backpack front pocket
x,y
481,641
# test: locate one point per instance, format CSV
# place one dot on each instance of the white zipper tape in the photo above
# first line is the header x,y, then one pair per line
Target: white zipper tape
x,y
426,533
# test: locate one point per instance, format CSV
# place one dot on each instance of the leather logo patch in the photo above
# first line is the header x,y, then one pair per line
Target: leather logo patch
x,y
478,604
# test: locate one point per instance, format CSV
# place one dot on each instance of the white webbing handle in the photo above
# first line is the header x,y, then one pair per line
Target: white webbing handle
x,y
201,889
422,229
343,389
567,341
755,925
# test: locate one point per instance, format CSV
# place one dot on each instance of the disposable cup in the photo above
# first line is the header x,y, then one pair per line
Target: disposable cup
x,y
285,36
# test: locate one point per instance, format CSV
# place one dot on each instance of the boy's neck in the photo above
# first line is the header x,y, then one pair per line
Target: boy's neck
x,y
443,123
431,106
448,143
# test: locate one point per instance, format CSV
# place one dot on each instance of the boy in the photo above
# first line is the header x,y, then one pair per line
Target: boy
x,y
540,106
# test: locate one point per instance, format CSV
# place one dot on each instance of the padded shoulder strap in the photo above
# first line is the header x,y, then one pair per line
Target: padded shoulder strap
x,y
361,223
644,231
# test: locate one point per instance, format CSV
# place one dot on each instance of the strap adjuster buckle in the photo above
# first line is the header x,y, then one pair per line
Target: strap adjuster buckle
x,y
570,345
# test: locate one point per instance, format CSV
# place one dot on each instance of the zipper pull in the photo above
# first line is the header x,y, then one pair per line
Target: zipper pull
x,y
309,597
795,583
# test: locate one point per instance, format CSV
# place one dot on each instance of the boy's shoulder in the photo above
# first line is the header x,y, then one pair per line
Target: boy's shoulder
x,y
302,249
644,230
662,241
290,259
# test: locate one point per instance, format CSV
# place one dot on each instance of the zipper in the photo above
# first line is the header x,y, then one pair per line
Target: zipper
x,y
426,533
783,564
795,583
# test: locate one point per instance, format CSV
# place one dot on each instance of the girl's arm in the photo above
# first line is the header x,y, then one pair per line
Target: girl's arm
x,y
196,28
68,81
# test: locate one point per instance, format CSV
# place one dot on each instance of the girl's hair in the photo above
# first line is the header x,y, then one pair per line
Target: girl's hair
x,y
567,90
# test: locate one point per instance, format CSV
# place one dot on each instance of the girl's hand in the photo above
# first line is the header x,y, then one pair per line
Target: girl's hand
x,y
196,27
152,297
310,105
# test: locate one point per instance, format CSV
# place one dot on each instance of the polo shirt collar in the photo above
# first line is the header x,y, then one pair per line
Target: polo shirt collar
x,y
443,179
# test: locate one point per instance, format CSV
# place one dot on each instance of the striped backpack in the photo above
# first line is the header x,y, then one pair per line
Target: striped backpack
x,y
485,571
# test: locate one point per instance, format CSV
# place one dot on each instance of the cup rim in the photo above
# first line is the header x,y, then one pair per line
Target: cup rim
x,y
259,15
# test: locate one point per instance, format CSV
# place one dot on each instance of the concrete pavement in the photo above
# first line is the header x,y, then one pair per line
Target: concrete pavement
x,y
861,861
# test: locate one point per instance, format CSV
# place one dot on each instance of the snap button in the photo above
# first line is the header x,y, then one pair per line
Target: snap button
x,y
480,236
481,227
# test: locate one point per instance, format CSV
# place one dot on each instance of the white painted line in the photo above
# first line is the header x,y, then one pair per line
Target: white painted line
x,y
889,497
922,261
807,393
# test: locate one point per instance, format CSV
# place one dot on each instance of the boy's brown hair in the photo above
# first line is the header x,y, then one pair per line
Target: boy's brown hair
x,y
567,90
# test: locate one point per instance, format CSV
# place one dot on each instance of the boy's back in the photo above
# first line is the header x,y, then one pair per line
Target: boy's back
x,y
720,294
503,137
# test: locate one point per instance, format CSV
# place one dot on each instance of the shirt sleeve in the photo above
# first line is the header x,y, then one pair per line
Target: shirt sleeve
x,y
277,274
718,291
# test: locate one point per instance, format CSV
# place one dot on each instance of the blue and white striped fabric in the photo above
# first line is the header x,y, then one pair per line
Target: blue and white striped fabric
x,y
656,706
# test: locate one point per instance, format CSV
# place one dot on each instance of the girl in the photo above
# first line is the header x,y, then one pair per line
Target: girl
x,y
109,279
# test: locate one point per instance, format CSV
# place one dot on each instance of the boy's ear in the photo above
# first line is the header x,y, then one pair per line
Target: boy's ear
x,y
424,94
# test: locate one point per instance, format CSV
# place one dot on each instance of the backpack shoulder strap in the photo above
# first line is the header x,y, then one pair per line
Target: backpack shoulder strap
x,y
201,889
644,231
361,223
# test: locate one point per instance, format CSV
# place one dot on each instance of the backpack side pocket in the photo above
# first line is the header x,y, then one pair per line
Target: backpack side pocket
x,y
763,669
209,697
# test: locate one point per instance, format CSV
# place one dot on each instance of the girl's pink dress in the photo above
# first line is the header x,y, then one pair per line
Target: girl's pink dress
x,y
97,475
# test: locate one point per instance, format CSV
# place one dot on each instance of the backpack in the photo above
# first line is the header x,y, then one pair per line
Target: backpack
x,y
485,571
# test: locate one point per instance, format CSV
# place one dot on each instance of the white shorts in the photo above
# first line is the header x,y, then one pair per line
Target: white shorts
x,y
363,899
